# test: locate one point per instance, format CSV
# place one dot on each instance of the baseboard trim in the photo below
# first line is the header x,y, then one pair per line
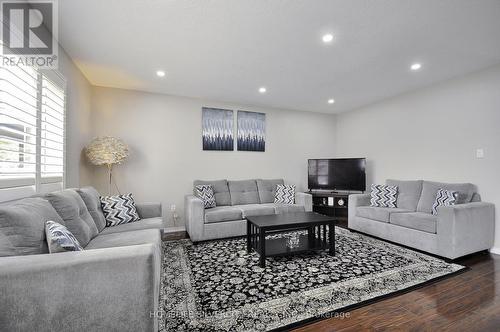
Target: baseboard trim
x,y
495,250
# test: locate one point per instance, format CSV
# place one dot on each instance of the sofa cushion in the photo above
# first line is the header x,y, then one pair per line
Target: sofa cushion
x,y
408,193
121,239
222,213
289,208
252,210
22,226
420,221
430,189
92,200
149,223
377,213
60,239
221,190
267,189
243,192
77,219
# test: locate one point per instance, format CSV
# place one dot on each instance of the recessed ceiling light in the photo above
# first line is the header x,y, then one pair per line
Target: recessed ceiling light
x,y
262,89
327,38
160,73
331,101
415,66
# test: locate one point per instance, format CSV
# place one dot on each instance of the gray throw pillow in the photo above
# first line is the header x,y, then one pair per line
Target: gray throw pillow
x,y
73,211
22,226
60,239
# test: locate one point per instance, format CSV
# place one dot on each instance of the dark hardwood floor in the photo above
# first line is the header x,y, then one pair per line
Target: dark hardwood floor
x,y
469,301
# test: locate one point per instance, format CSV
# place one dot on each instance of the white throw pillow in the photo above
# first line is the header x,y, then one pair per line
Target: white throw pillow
x,y
444,198
119,209
205,192
383,196
60,239
285,194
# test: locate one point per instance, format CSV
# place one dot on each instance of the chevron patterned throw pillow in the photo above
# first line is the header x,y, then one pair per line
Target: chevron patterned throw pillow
x,y
285,194
383,196
119,209
206,193
60,239
444,198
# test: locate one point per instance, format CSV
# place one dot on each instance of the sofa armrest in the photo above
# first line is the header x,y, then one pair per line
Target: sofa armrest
x,y
465,228
194,212
305,200
149,210
102,289
354,201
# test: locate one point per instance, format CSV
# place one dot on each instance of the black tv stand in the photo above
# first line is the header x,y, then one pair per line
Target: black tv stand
x,y
343,192
331,203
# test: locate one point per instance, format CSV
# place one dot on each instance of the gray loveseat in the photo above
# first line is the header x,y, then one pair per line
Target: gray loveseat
x,y
235,201
113,285
455,231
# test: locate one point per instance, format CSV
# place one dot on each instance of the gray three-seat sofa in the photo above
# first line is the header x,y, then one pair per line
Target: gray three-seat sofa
x,y
113,285
458,230
235,201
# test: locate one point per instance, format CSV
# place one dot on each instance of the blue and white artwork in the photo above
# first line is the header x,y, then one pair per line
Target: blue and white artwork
x,y
218,128
251,131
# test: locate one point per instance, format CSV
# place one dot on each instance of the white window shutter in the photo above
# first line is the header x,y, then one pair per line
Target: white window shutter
x,y
32,131
52,132
18,126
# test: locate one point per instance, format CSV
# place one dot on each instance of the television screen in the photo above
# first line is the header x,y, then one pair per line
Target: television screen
x,y
337,174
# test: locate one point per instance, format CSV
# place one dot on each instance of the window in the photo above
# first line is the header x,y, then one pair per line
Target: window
x,y
18,122
32,128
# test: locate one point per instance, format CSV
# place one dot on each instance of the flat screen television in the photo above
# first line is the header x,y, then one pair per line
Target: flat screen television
x,y
337,174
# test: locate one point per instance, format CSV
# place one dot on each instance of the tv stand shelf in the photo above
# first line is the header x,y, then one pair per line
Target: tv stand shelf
x,y
332,204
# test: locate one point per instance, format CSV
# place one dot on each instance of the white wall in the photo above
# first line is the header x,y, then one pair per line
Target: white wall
x,y
432,134
164,134
78,125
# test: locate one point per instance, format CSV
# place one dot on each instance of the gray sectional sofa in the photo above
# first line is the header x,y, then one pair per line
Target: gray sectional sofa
x,y
235,201
113,285
455,231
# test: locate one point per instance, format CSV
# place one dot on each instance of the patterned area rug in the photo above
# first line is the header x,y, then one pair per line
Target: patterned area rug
x,y
217,286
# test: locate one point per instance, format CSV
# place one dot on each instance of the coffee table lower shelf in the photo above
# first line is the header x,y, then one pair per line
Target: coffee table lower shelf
x,y
278,247
267,241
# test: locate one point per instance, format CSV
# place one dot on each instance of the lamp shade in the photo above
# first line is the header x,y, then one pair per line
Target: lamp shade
x,y
106,151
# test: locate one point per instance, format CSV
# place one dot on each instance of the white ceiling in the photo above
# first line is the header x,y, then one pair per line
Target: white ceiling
x,y
224,50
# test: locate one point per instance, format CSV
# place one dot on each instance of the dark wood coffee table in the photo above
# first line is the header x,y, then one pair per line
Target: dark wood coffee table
x,y
317,237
